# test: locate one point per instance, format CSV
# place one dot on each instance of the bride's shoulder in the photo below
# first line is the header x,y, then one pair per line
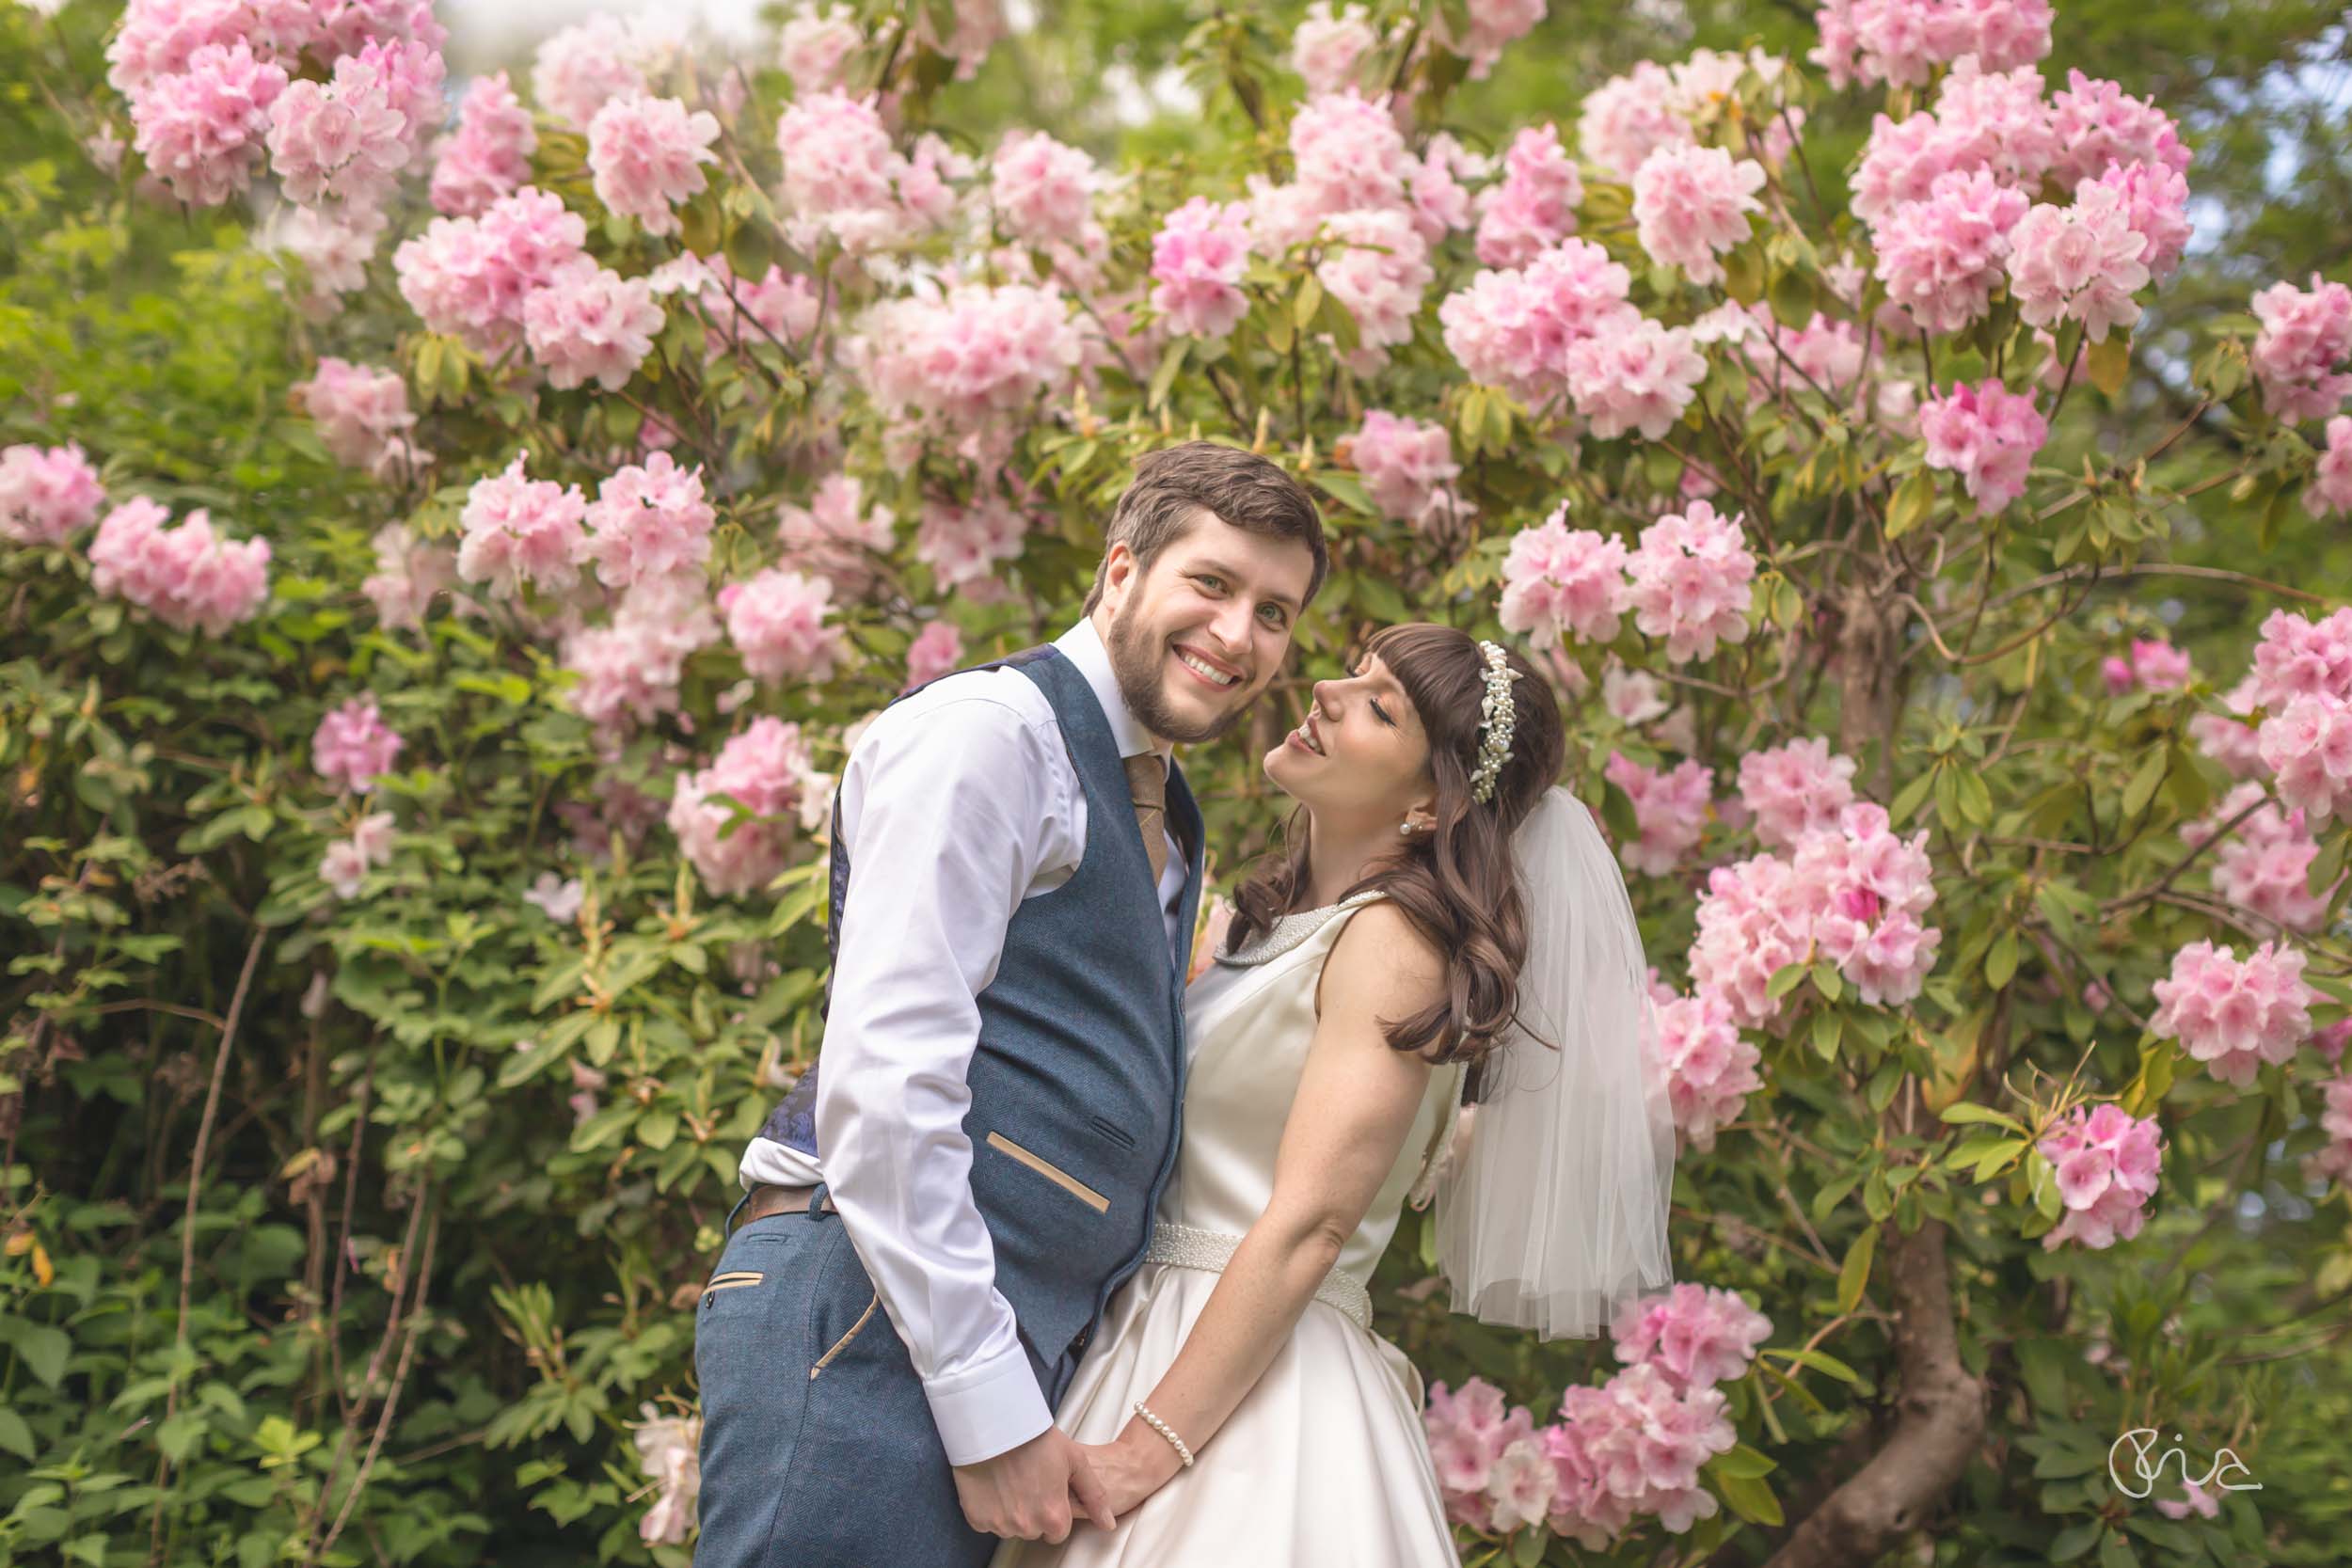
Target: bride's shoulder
x,y
1381,956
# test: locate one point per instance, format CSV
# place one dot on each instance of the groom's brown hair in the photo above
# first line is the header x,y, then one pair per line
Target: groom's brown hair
x,y
1239,487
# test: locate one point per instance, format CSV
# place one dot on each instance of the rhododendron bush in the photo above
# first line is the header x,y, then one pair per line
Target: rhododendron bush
x,y
456,520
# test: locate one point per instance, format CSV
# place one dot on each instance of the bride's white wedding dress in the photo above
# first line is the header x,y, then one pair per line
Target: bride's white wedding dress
x,y
1325,1460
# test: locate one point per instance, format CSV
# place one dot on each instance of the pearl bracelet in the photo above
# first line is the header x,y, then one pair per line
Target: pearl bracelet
x,y
1166,1431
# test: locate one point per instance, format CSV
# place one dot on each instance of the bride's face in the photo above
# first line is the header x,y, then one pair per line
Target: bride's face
x,y
1361,755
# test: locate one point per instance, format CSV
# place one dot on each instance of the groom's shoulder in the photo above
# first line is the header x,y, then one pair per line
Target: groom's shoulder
x,y
966,715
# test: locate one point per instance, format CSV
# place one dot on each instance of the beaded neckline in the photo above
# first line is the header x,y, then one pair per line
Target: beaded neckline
x,y
1290,931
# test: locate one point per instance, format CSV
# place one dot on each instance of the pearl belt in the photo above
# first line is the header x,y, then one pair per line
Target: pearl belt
x,y
1190,1247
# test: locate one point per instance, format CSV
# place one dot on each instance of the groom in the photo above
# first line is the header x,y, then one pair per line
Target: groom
x,y
935,1219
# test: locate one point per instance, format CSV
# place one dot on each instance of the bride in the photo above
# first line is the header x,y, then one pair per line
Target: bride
x,y
1449,930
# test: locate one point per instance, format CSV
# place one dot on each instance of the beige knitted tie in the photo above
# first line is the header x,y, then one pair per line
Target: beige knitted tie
x,y
1147,784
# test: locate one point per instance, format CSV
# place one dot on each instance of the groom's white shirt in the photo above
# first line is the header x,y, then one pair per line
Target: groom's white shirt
x,y
965,804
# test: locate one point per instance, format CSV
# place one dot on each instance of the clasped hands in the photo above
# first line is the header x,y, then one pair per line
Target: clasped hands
x,y
1038,1491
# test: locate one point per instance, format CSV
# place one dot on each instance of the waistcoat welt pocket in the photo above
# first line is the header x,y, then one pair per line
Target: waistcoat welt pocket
x,y
1055,1174
734,1279
1112,1131
843,1343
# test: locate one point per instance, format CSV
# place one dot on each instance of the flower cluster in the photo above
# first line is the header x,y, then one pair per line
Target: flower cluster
x,y
1691,204
47,493
843,178
1853,894
766,770
352,745
2234,1014
185,575
1900,41
1198,258
970,365
667,1448
1795,790
2265,863
1697,1336
361,412
646,155
2154,666
1711,1067
488,155
630,670
1559,581
2302,356
2108,1163
835,536
1407,467
1532,207
521,532
345,866
777,621
1041,189
472,276
649,520
1987,434
1689,580
1670,806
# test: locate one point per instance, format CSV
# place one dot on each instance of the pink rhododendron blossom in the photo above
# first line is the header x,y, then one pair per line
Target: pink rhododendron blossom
x,y
344,26
649,520
630,670
488,155
1559,581
2108,1163
1349,154
765,769
2302,357
1987,434
1853,894
2155,200
647,155
2331,489
345,866
2265,865
2332,1161
812,45
1633,696
2081,263
352,745
2308,746
348,138
1697,1336
842,176
1198,258
521,532
2297,657
835,536
334,250
1440,202
1900,41
357,409
2232,742
778,620
1632,374
47,494
962,543
1516,327
1691,204
1634,1447
1670,807
557,897
1990,119
1627,118
2154,666
1690,581
470,278
1469,1431
2096,124
1407,465
1375,265
936,650
1324,48
1710,1070
1041,189
202,129
2231,1014
1795,790
971,365
157,38
1493,24
1942,256
1533,206
184,576
667,1451
408,574
577,69
589,323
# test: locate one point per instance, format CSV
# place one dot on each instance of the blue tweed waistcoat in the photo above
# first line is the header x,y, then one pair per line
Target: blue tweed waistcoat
x,y
1077,1079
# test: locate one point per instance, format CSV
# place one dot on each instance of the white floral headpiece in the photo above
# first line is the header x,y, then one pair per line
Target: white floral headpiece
x,y
1497,715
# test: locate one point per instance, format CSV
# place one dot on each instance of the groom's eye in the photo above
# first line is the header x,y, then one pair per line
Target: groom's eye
x,y
1272,613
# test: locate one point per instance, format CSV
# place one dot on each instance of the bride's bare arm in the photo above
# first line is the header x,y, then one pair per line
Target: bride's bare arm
x,y
1357,1101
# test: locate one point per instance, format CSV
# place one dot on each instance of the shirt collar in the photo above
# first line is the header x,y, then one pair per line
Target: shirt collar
x,y
1083,646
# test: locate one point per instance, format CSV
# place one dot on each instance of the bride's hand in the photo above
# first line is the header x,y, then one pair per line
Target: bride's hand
x,y
1129,1468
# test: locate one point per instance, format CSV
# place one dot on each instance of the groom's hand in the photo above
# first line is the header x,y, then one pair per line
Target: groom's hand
x,y
1025,1493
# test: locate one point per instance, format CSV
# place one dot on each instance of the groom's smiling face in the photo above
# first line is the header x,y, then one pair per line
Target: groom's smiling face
x,y
1195,637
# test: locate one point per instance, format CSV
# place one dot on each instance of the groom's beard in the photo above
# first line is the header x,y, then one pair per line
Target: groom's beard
x,y
1139,664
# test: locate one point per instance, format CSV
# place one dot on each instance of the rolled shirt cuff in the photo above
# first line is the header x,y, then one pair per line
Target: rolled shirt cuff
x,y
988,1409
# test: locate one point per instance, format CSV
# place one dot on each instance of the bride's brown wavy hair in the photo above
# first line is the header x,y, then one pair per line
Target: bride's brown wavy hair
x,y
1457,885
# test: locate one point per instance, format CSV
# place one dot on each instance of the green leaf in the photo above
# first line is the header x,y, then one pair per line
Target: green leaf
x,y
1912,502
1744,1461
1908,799
1751,1498
1528,1549
1821,1361
15,1437
2143,786
44,1348
2074,1541
1793,297
1828,1026
1165,377
1854,1275
2110,364
1308,301
2328,865
1833,1194
2000,959
1962,1113
604,1127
